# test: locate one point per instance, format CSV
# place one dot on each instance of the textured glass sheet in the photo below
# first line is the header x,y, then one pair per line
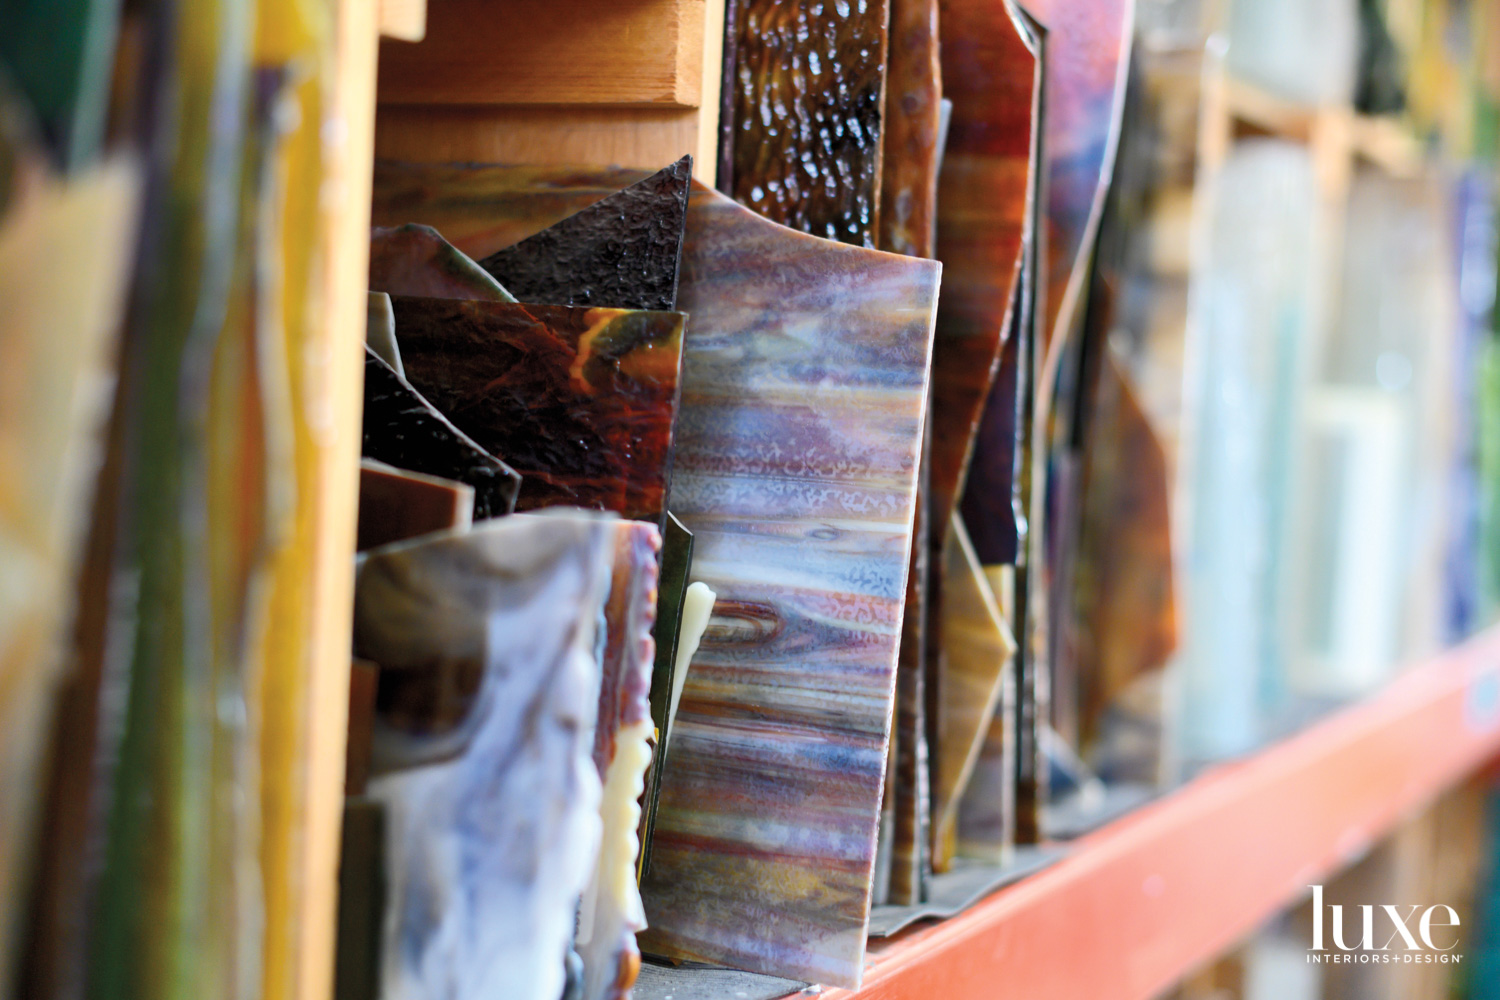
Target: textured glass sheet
x,y
581,402
806,102
622,252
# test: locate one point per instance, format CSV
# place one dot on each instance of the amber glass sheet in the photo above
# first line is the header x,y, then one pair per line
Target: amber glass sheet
x,y
990,74
808,95
416,260
913,111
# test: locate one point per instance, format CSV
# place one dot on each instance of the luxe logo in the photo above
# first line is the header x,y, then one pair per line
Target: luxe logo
x,y
1385,933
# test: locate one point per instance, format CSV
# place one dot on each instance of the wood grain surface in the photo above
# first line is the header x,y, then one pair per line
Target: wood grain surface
x,y
549,52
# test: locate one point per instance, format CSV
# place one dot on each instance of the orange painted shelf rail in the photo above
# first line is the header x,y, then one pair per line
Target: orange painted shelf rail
x,y
1149,898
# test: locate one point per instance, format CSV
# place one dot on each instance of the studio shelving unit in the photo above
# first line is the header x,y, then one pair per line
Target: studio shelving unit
x,y
1140,904
1339,140
1134,906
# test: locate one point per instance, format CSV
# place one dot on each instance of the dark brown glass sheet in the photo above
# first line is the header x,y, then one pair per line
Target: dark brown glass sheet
x,y
806,103
395,504
913,112
622,252
580,401
402,429
990,74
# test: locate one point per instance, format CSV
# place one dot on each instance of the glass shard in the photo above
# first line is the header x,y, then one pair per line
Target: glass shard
x,y
676,562
976,650
916,120
913,112
1124,611
60,55
487,852
361,900
485,209
986,206
987,809
160,926
908,784
808,92
996,499
404,430
581,402
990,502
990,74
798,446
57,343
380,330
416,260
611,913
622,252
395,504
1088,49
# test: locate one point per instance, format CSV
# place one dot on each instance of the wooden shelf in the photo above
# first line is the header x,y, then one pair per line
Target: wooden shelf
x,y
1248,105
1148,899
1235,109
1387,144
